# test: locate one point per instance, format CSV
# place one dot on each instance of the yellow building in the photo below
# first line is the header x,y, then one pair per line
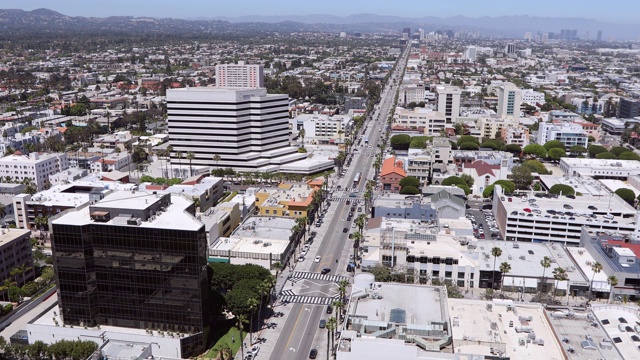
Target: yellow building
x,y
288,199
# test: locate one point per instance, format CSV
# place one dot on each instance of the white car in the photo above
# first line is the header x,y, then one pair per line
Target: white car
x,y
317,258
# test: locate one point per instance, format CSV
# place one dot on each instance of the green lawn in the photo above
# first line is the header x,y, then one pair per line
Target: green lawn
x,y
224,334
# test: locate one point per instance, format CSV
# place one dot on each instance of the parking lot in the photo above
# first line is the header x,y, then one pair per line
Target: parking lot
x,y
484,224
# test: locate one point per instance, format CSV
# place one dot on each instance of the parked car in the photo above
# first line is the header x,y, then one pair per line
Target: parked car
x,y
313,353
323,324
317,258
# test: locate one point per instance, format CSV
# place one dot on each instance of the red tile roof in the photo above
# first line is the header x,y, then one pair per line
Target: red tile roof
x,y
391,165
482,167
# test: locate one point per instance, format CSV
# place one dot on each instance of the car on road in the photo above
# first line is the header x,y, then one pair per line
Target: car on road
x,y
345,230
591,207
325,271
317,259
322,324
301,259
254,351
313,353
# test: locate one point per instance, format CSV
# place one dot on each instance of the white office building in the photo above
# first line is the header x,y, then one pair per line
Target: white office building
x,y
509,101
323,128
239,76
247,129
36,166
433,122
532,97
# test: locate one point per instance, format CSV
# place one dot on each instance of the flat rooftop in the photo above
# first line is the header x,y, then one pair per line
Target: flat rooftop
x,y
265,227
256,245
175,216
584,185
621,323
478,326
573,326
8,235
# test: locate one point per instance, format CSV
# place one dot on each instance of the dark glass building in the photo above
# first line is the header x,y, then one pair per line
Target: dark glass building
x,y
137,260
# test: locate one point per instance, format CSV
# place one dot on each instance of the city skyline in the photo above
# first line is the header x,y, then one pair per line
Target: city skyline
x,y
189,9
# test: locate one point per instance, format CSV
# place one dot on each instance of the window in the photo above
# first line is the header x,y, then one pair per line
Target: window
x,y
460,275
447,274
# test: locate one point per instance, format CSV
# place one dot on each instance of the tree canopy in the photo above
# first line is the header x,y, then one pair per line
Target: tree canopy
x,y
400,142
521,177
627,195
535,166
420,142
561,188
594,150
409,181
508,186
556,153
515,149
468,139
468,146
535,150
552,144
606,155
409,190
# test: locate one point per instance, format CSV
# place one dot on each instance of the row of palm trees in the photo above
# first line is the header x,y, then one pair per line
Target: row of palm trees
x,y
254,307
559,273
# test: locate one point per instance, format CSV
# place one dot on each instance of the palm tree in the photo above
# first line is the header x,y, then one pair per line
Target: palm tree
x,y
332,326
338,306
168,157
596,267
6,285
277,266
613,282
505,268
301,133
495,252
3,211
545,263
357,239
240,321
190,157
216,159
302,225
360,221
179,155
252,306
559,274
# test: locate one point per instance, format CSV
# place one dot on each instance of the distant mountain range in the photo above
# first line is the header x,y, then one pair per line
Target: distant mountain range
x,y
49,21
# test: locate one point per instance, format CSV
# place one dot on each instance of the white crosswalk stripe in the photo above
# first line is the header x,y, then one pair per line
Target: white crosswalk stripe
x,y
313,300
316,276
343,199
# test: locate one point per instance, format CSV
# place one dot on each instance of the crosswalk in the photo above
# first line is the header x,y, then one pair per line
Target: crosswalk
x,y
344,199
300,275
313,300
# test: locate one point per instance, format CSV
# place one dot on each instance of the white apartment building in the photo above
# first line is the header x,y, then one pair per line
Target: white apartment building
x,y
239,76
489,126
509,101
518,135
36,166
412,93
449,102
114,161
569,133
323,128
247,128
532,97
599,168
433,122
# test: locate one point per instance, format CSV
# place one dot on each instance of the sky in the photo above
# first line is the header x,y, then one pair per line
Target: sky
x,y
619,11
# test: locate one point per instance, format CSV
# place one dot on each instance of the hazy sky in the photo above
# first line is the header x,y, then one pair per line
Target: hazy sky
x,y
612,10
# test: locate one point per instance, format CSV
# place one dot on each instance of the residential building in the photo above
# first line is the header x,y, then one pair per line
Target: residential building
x,y
421,163
449,102
144,266
122,140
569,134
36,167
391,173
518,135
203,190
15,253
239,75
324,129
247,129
490,126
354,103
532,97
411,93
628,109
116,161
509,101
432,122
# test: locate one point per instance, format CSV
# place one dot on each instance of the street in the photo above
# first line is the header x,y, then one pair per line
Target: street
x,y
298,335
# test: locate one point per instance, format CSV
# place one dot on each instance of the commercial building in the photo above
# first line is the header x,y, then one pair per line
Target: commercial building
x,y
599,168
122,140
143,266
354,103
569,134
36,167
509,101
517,135
391,173
221,220
324,129
433,123
15,253
550,219
204,191
449,102
532,97
247,129
287,200
490,126
239,75
628,109
411,93
442,205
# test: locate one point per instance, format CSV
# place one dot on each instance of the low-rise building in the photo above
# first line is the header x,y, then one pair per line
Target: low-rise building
x,y
204,191
15,253
517,135
433,122
391,173
287,200
569,134
37,167
323,129
599,168
121,139
221,220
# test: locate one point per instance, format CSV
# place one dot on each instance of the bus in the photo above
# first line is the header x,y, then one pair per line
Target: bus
x,y
356,180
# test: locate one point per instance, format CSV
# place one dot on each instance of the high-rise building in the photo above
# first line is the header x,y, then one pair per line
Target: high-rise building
x,y
239,75
527,36
449,102
509,101
599,38
545,37
245,129
510,48
134,260
628,108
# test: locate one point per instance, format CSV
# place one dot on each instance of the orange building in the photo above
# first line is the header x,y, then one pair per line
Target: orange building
x,y
391,174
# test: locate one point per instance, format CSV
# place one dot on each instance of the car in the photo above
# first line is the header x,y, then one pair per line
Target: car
x,y
303,252
567,206
329,309
591,207
608,216
353,225
349,218
345,230
313,353
317,258
325,271
254,350
301,259
526,210
322,324
348,202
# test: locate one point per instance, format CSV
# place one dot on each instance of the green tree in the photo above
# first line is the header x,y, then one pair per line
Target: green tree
x,y
496,252
627,195
420,142
562,189
469,146
410,181
535,150
515,149
505,268
521,177
559,274
468,179
577,150
409,190
190,157
381,273
618,150
606,155
545,263
400,142
629,155
594,150
556,153
492,144
467,139
508,186
535,166
553,144
596,268
613,282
